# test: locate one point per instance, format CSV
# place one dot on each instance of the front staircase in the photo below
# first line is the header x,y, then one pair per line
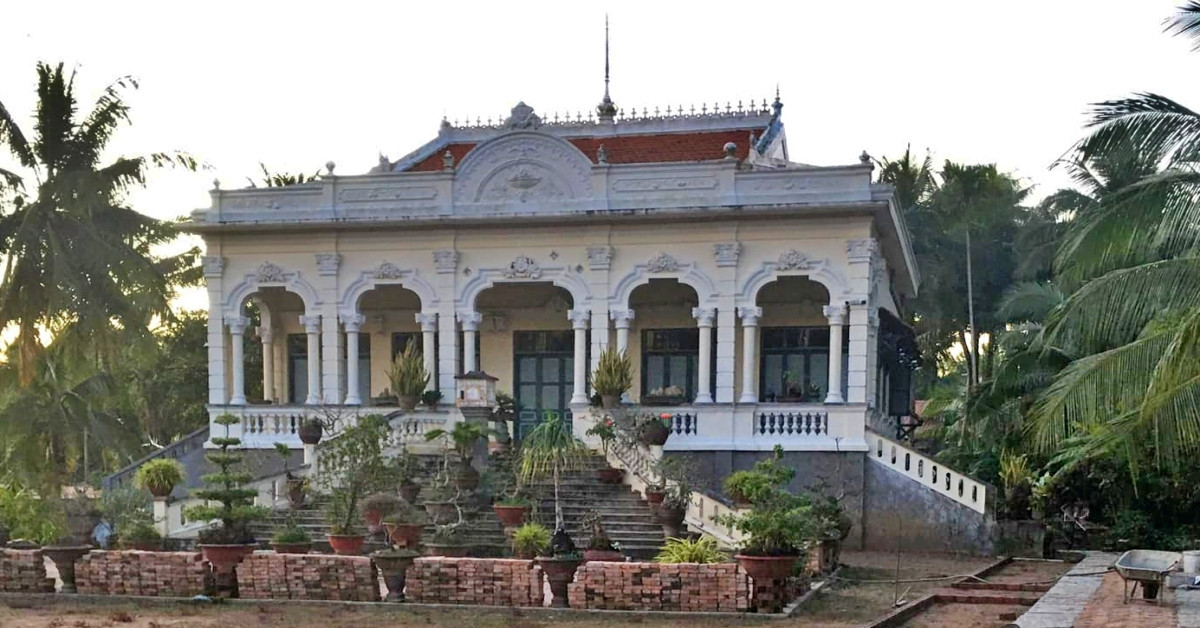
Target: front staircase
x,y
627,519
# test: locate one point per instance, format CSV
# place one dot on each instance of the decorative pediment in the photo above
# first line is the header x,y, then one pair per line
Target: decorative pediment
x,y
270,273
524,267
523,117
523,167
388,270
793,260
662,263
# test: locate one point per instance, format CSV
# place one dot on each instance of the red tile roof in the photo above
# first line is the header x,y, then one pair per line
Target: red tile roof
x,y
630,149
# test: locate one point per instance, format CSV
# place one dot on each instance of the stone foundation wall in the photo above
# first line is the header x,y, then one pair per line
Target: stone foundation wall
x,y
484,581
162,574
307,577
24,571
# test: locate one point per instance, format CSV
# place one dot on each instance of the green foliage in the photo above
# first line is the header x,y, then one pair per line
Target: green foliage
x,y
614,372
126,506
604,429
531,539
703,550
461,438
281,179
778,523
551,448
407,373
597,535
162,473
383,503
431,397
140,532
352,466
291,534
227,487
406,513
28,515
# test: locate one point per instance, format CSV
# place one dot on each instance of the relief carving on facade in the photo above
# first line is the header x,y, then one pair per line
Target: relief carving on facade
x,y
523,267
599,257
662,263
270,273
727,253
523,167
388,270
793,260
327,263
665,184
445,260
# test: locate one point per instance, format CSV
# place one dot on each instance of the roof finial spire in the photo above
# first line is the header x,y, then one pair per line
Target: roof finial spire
x,y
606,111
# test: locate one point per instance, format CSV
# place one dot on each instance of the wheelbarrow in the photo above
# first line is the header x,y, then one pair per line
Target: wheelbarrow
x,y
1148,568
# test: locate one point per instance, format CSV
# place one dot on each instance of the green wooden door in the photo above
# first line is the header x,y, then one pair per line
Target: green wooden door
x,y
543,376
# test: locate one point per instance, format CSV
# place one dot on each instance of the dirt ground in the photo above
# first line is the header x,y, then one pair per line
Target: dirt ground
x,y
966,616
848,604
1026,571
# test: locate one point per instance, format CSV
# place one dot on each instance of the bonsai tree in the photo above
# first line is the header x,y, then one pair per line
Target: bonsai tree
x,y
352,466
506,407
291,539
460,439
296,486
159,476
235,510
408,376
613,376
550,448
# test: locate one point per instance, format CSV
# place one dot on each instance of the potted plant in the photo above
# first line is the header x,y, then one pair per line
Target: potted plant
x,y
225,545
408,376
664,396
671,512
377,506
655,494
159,476
460,441
142,536
560,566
296,486
351,467
1040,495
511,510
440,499
599,547
431,398
703,550
530,540
605,430
506,408
447,541
311,430
550,448
793,390
778,526
385,398
653,429
612,377
394,564
404,466
743,486
292,539
405,525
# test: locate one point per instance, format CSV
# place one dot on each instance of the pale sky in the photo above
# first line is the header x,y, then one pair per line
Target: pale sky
x,y
297,84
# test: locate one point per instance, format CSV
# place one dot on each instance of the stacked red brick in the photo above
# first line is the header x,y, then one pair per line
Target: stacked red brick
x,y
660,587
24,571
489,582
307,577
161,574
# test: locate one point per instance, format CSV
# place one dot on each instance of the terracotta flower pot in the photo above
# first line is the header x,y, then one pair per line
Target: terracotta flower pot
x,y
347,544
606,556
373,519
449,551
767,567
223,558
408,403
608,402
395,570
406,535
510,516
670,518
610,475
654,433
310,431
291,548
409,492
159,491
560,572
655,497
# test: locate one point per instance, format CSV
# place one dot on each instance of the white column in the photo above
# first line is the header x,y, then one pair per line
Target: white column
x,y
428,323
579,321
726,352
836,314
312,327
267,335
599,336
352,324
622,320
470,326
704,320
749,316
237,327
856,375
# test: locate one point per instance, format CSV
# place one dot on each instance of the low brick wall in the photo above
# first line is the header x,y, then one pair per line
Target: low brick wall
x,y
659,587
492,582
24,571
307,577
165,574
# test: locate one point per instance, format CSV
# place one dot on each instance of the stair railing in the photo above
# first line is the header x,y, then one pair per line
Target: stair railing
x,y
937,477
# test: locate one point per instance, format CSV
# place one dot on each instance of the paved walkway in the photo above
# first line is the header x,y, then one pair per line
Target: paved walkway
x,y
1063,604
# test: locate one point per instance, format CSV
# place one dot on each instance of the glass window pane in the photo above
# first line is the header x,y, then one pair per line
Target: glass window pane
x,y
656,374
679,372
527,369
818,377
364,378
772,375
299,380
527,396
550,370
550,398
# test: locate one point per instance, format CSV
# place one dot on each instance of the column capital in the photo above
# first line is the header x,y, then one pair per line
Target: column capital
x,y
427,321
353,322
836,313
214,265
861,250
312,323
749,315
622,318
237,324
470,320
579,318
704,316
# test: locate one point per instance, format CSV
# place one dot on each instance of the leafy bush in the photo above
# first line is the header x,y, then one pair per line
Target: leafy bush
x,y
383,503
531,539
406,514
291,534
461,438
351,467
702,550
778,523
227,486
159,474
141,532
126,506
28,516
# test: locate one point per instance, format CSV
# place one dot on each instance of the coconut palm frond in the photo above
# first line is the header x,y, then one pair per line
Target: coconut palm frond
x,y
1029,301
1186,22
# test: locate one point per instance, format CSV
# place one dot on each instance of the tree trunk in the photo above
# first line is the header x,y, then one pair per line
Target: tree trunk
x,y
973,353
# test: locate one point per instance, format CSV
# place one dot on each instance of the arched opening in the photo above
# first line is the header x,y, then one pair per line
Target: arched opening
x,y
665,344
526,341
388,323
275,347
794,342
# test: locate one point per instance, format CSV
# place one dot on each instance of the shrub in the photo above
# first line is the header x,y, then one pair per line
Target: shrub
x,y
407,373
597,535
227,486
702,550
461,438
126,506
383,503
614,372
431,397
351,467
406,514
28,516
160,474
531,539
778,523
291,534
141,532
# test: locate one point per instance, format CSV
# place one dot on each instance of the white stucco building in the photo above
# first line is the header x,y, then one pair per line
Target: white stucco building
x,y
766,292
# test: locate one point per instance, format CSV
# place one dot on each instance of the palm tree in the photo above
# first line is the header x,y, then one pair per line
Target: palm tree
x,y
1135,317
550,448
76,256
281,179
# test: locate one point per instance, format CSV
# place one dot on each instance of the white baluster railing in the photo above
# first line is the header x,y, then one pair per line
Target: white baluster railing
x,y
934,475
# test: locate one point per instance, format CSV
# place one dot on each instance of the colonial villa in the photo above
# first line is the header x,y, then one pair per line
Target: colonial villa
x,y
761,299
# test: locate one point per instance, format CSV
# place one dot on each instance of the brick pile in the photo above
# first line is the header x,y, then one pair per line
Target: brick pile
x,y
661,587
24,571
160,574
490,582
307,577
